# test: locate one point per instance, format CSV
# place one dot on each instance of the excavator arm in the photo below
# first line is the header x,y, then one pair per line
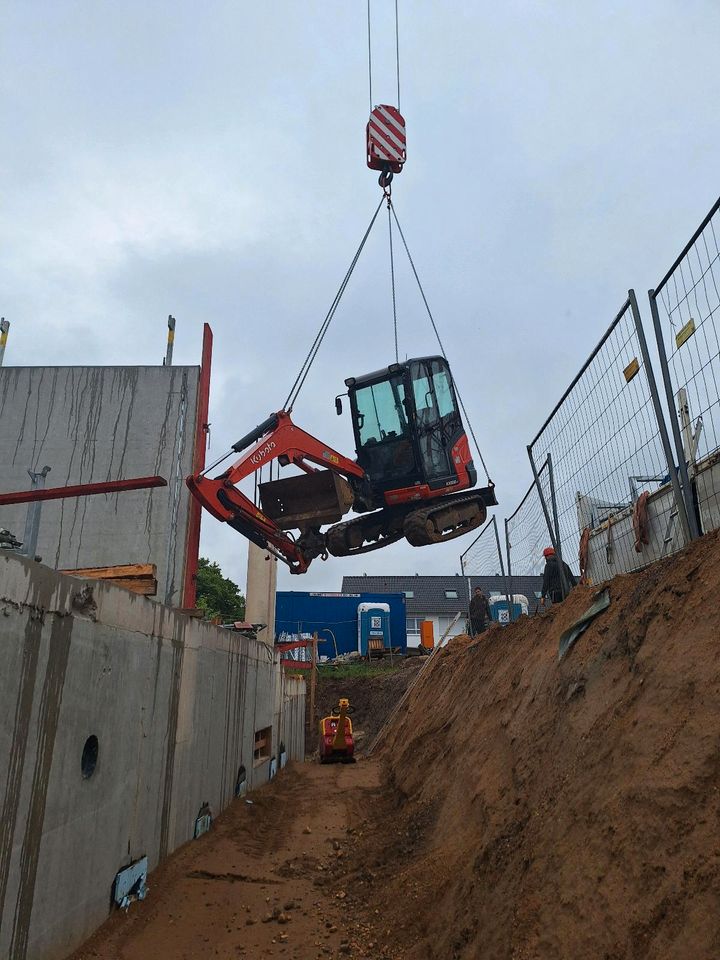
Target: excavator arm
x,y
304,502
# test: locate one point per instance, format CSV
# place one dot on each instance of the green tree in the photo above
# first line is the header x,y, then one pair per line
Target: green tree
x,y
217,595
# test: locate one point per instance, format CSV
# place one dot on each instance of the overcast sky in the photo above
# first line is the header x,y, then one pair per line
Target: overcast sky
x,y
207,160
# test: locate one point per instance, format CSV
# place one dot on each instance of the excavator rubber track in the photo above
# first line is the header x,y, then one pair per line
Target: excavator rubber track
x,y
444,519
348,538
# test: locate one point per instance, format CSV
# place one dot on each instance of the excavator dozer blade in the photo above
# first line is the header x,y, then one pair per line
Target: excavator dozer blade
x,y
308,500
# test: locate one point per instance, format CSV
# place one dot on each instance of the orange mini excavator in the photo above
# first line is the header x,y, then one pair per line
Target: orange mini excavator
x,y
410,478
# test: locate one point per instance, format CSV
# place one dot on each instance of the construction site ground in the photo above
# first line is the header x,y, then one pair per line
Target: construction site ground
x,y
521,808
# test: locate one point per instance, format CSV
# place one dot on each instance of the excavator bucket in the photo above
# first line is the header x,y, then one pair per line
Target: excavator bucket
x,y
308,500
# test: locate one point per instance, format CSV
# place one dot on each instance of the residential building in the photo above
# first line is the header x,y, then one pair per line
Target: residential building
x,y
440,598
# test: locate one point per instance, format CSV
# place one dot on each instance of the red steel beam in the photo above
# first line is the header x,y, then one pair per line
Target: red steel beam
x,y
192,542
296,664
81,490
286,645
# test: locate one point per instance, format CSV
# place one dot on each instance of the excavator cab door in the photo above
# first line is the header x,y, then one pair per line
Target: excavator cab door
x,y
438,424
384,431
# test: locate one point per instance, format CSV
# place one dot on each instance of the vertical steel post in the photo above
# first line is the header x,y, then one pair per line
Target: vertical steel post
x,y
509,562
202,432
32,517
684,499
167,362
502,568
4,329
554,537
313,681
466,577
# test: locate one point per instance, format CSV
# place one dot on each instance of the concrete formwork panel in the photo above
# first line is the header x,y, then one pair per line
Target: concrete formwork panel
x,y
91,424
622,556
707,482
174,704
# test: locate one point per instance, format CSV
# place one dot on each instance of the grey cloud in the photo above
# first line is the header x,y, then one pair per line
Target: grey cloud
x,y
208,161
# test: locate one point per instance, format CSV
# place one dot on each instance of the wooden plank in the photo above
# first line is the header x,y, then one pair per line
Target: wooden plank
x,y
146,586
313,679
123,570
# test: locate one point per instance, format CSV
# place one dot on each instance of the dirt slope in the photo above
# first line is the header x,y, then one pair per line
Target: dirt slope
x,y
543,810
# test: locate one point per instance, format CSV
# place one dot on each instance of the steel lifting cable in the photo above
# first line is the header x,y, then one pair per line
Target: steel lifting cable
x,y
369,56
397,54
392,279
317,342
437,334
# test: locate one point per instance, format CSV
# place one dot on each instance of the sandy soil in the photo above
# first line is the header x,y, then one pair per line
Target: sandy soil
x,y
266,882
572,809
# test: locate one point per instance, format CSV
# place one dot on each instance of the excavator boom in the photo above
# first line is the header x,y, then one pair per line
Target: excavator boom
x,y
305,502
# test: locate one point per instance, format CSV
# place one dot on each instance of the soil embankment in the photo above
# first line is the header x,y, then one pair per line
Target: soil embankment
x,y
540,810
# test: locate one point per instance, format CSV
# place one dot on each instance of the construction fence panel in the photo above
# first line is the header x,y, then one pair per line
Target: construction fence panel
x,y
685,307
608,444
483,558
527,534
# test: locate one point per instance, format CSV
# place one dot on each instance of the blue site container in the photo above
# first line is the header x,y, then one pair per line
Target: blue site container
x,y
337,619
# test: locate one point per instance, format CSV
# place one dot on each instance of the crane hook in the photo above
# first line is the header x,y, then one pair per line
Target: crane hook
x,y
385,179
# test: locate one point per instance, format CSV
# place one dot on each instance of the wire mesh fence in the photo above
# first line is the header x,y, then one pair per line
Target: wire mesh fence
x,y
608,444
685,307
483,558
527,535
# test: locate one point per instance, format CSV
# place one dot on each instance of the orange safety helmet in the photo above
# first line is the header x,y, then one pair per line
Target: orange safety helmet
x,y
548,552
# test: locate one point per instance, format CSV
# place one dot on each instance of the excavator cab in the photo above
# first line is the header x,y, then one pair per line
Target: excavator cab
x,y
409,436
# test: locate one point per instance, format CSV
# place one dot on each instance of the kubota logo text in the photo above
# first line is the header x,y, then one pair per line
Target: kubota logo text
x,y
263,452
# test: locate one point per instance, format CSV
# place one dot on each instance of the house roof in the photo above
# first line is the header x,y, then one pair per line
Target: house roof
x,y
429,593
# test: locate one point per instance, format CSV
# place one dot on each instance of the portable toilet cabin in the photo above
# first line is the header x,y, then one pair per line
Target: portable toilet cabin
x,y
499,607
373,629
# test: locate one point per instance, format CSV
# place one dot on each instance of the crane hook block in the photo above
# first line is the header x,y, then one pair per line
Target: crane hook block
x,y
386,140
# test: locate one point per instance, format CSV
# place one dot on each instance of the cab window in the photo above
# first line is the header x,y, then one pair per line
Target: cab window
x,y
433,392
381,412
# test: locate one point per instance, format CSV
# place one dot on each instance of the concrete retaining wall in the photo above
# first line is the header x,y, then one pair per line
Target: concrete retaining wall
x,y
175,704
91,424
